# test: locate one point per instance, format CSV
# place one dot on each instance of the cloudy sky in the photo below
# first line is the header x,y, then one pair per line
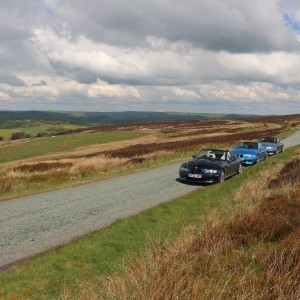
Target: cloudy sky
x,y
221,56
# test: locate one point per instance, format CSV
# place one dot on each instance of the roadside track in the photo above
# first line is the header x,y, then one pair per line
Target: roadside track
x,y
34,224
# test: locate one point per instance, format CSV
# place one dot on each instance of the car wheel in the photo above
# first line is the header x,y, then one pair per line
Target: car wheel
x,y
240,169
222,177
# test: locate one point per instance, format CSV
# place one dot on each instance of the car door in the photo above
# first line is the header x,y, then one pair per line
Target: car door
x,y
231,164
260,151
280,146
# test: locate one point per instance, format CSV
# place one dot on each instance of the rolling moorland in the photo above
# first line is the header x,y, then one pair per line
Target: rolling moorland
x,y
245,258
82,155
11,118
48,123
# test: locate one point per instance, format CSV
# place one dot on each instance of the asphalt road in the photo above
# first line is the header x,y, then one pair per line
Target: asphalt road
x,y
34,224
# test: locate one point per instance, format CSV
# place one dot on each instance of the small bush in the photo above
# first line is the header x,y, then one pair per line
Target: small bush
x,y
19,135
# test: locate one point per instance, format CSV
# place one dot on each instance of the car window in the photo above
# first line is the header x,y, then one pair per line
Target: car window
x,y
269,140
211,154
228,155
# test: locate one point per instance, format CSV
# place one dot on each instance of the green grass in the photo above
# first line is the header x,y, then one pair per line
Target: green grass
x,y
287,133
35,128
92,258
62,143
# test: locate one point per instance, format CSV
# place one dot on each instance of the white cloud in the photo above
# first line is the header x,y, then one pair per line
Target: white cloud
x,y
103,90
5,97
156,55
277,67
179,93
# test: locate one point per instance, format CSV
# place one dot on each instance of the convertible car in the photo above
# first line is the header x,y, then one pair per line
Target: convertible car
x,y
272,144
210,165
250,152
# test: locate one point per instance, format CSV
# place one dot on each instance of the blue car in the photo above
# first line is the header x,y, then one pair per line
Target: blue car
x,y
250,152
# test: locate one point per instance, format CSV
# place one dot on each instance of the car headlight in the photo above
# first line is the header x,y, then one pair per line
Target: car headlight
x,y
184,169
210,171
250,155
271,148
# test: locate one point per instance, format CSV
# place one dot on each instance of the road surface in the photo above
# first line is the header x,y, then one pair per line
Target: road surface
x,y
34,224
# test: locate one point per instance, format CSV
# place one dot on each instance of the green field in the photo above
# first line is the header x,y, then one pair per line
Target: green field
x,y
98,255
34,128
62,143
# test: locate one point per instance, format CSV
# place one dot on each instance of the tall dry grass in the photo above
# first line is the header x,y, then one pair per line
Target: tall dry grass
x,y
256,255
52,172
55,171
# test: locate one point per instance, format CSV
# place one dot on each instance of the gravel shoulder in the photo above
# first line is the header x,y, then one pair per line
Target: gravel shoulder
x,y
34,224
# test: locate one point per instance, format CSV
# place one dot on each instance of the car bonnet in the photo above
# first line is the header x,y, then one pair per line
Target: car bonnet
x,y
244,151
204,163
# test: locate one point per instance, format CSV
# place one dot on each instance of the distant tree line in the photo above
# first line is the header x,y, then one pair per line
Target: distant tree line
x,y
23,135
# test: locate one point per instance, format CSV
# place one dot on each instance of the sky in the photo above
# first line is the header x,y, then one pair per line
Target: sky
x,y
218,56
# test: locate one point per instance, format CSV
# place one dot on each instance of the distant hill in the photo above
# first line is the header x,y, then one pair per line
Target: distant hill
x,y
9,119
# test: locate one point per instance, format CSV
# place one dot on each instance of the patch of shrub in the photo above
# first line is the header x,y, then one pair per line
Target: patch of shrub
x,y
19,135
42,134
289,174
42,167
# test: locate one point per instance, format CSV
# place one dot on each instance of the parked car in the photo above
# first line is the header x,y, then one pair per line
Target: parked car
x,y
210,165
250,152
272,144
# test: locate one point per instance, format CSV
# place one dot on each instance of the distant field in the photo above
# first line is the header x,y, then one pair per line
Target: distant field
x,y
40,146
35,128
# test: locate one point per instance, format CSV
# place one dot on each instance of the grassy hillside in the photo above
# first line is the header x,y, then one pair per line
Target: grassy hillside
x,y
63,143
17,118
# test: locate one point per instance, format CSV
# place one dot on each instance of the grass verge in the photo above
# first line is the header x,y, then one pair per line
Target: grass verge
x,y
90,260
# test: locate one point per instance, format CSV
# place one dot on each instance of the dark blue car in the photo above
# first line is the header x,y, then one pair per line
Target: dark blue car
x,y
250,152
210,165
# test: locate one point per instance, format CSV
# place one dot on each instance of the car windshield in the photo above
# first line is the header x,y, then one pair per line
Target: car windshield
x,y
269,139
211,154
247,145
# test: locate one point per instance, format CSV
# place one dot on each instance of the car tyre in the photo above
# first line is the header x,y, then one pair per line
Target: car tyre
x,y
222,177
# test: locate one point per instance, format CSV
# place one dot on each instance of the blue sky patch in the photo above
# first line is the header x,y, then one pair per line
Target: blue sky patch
x,y
291,22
